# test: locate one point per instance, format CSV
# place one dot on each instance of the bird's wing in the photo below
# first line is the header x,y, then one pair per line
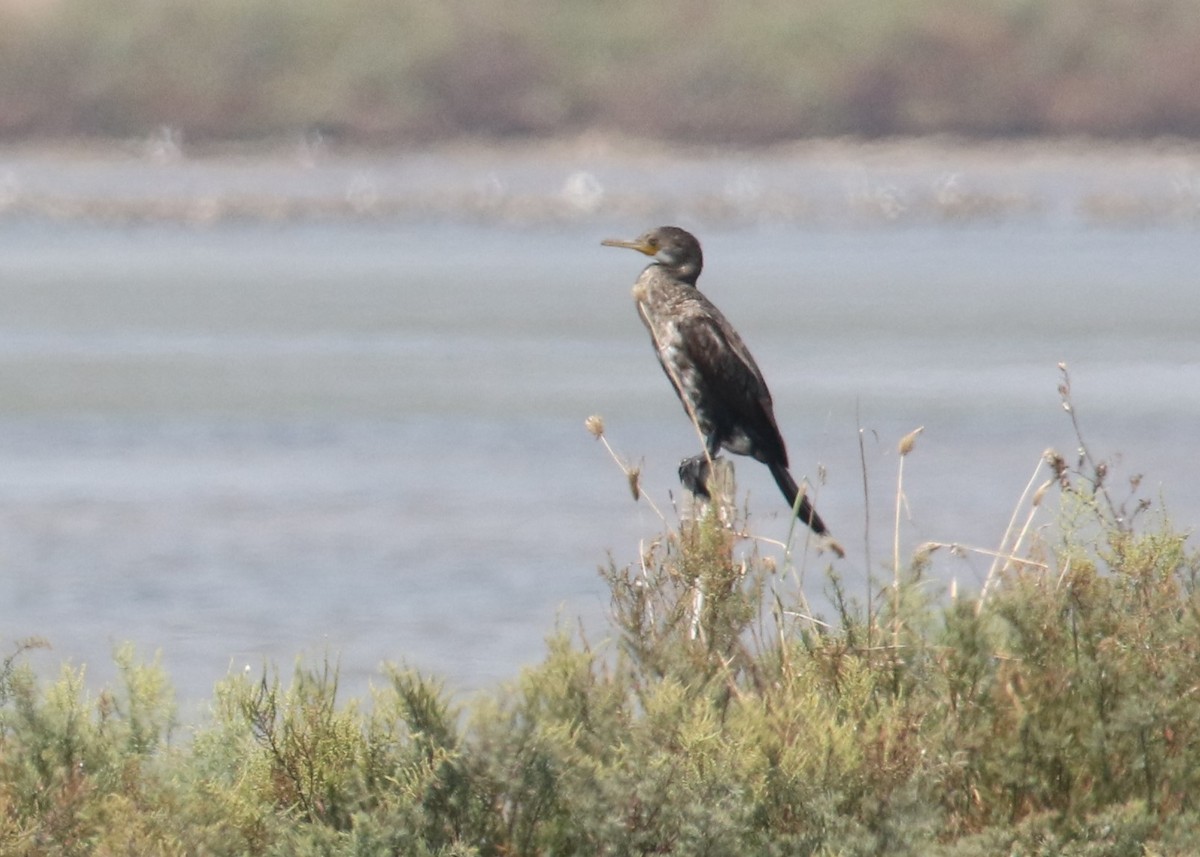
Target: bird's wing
x,y
731,374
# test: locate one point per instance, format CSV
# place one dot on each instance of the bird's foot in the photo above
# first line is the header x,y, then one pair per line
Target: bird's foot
x,y
711,482
693,474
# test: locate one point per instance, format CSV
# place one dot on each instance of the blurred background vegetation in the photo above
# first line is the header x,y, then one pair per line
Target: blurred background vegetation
x,y
404,71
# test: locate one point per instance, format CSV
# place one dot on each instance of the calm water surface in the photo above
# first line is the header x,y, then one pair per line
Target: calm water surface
x,y
243,442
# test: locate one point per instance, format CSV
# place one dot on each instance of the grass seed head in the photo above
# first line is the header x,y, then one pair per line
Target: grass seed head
x,y
909,440
924,550
1058,464
634,475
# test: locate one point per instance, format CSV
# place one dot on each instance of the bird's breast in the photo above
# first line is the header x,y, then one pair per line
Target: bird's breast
x,y
673,352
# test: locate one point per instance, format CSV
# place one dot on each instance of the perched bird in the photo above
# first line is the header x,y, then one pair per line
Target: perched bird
x,y
720,385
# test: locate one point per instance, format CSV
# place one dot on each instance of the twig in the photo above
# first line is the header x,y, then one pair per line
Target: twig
x,y
862,458
766,540
905,447
645,579
987,583
1099,468
807,617
928,547
595,425
787,551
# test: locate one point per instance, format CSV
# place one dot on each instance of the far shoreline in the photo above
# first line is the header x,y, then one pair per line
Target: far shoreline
x,y
165,177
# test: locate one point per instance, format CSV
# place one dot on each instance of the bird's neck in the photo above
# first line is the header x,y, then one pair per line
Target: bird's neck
x,y
684,272
660,287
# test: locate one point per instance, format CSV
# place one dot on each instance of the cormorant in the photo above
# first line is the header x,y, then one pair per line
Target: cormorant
x,y
718,382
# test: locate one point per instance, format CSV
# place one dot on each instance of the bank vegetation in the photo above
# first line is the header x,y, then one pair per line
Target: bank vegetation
x,y
691,71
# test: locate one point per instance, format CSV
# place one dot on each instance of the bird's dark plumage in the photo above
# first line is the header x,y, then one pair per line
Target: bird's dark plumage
x,y
709,366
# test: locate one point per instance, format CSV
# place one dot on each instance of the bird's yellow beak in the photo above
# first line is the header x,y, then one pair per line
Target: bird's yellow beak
x,y
638,244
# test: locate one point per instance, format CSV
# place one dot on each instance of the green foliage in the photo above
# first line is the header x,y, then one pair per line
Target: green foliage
x,y
81,776
1093,696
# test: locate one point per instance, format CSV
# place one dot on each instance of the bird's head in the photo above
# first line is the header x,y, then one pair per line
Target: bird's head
x,y
675,249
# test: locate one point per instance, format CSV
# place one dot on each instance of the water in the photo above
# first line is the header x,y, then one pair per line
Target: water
x,y
259,439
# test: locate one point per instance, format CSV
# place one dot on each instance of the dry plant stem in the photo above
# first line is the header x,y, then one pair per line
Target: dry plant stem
x,y
862,458
1007,557
787,553
778,613
766,540
1066,567
896,555
807,617
645,578
1064,390
905,447
624,469
1012,551
1001,551
787,557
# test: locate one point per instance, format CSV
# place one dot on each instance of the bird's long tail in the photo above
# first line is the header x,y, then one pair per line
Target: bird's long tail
x,y
693,473
806,513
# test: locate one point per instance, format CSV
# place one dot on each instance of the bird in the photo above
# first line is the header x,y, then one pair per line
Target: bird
x,y
721,387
